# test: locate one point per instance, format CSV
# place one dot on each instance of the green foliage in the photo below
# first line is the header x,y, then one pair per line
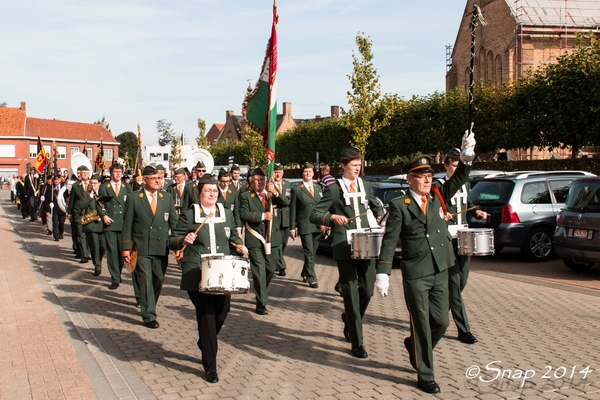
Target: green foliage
x,y
175,158
128,145
201,140
254,151
103,121
165,132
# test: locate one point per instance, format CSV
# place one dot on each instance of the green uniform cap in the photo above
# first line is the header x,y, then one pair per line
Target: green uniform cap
x,y
257,171
307,166
420,164
351,151
208,179
199,165
180,171
278,167
82,168
149,170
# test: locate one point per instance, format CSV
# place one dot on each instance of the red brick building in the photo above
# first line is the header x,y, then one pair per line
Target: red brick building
x,y
19,133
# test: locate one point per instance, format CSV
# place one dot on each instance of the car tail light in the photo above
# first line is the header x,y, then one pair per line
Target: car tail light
x,y
509,216
558,218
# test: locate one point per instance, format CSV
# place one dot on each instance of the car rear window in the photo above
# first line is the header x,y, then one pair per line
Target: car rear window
x,y
494,191
584,196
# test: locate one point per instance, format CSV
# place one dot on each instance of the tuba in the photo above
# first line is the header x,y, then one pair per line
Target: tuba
x,y
77,160
90,217
200,155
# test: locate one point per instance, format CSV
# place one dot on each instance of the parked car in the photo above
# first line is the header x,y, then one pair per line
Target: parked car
x,y
375,178
577,236
522,209
474,176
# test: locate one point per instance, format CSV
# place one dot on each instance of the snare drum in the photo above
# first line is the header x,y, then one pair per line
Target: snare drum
x,y
366,245
225,275
476,242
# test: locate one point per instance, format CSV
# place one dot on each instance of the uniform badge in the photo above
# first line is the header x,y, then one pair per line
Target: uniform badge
x,y
228,232
166,216
125,198
108,185
288,192
141,195
160,195
301,186
275,212
232,207
321,194
407,201
441,213
252,195
229,191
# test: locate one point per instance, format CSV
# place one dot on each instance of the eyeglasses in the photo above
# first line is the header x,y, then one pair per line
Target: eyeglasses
x,y
152,179
208,191
200,170
421,177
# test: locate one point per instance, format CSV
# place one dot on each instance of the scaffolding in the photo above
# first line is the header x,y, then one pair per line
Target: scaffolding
x,y
449,48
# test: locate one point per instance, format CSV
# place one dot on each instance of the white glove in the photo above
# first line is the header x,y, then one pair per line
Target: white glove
x,y
468,147
382,283
42,198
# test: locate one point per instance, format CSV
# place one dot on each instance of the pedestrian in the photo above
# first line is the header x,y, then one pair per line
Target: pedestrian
x,y
256,214
344,207
418,219
219,229
284,189
326,179
116,193
459,273
304,199
149,214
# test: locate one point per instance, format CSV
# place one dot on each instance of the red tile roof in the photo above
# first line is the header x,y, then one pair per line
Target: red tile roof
x,y
12,121
214,132
56,129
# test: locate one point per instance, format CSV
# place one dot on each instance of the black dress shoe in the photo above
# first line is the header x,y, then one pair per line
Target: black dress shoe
x,y
138,305
56,239
212,377
113,285
151,324
77,255
261,310
359,352
48,233
313,285
84,260
96,273
282,272
428,386
410,353
304,279
346,329
467,338
61,237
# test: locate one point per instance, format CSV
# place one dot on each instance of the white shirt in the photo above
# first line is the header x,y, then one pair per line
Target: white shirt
x,y
149,196
347,182
417,197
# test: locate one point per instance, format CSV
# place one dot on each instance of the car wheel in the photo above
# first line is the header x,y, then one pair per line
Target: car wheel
x,y
577,265
538,245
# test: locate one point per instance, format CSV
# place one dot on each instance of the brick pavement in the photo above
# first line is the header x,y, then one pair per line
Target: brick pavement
x,y
298,350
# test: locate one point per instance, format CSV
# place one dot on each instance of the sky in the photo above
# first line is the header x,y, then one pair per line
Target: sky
x,y
137,62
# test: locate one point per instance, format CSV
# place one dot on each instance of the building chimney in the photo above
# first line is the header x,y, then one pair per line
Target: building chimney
x,y
287,108
335,111
228,113
23,108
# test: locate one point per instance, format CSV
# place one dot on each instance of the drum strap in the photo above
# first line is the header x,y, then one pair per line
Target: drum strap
x,y
357,196
211,224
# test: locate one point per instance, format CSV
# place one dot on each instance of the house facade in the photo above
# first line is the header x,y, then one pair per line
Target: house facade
x,y
19,134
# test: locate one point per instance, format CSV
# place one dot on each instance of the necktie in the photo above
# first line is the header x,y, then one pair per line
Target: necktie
x,y
153,203
84,186
225,195
116,189
310,189
279,187
263,201
424,204
352,188
180,188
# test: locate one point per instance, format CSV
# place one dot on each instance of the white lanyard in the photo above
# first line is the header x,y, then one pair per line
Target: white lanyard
x,y
359,194
198,219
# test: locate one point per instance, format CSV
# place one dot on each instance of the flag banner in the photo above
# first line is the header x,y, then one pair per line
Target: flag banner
x,y
142,159
260,106
100,159
40,161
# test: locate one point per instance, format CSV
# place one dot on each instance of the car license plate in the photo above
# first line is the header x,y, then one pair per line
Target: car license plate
x,y
580,233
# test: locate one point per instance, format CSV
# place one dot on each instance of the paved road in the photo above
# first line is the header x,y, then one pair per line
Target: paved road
x,y
540,336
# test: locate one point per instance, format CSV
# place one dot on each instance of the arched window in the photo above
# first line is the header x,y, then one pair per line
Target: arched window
x,y
480,72
490,76
498,69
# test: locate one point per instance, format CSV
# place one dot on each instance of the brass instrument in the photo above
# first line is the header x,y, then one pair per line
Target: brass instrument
x,y
90,217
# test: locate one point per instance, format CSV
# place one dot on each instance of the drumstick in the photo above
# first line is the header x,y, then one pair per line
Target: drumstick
x,y
358,216
209,216
237,246
464,211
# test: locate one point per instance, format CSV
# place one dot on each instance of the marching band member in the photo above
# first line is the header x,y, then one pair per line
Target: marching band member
x,y
112,217
344,207
255,213
419,220
229,197
304,199
92,230
217,236
284,189
149,214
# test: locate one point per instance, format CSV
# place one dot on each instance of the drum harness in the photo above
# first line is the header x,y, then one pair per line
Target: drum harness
x,y
198,219
456,201
267,246
358,197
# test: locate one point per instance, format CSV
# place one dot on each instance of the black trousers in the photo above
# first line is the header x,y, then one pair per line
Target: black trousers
x,y
58,225
211,311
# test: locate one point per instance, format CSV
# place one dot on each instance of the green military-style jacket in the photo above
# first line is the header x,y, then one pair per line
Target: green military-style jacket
x,y
232,203
426,242
76,194
225,234
149,232
333,202
115,207
301,206
251,211
87,204
286,188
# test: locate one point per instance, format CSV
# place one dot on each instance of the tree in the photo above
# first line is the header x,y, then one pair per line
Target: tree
x,y
175,157
165,131
104,123
201,140
254,150
364,99
128,145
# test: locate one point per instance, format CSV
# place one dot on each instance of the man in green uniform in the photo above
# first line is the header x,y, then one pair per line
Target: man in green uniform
x,y
419,220
344,207
112,216
459,273
284,189
149,214
304,199
255,214
235,179
93,229
229,197
78,191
